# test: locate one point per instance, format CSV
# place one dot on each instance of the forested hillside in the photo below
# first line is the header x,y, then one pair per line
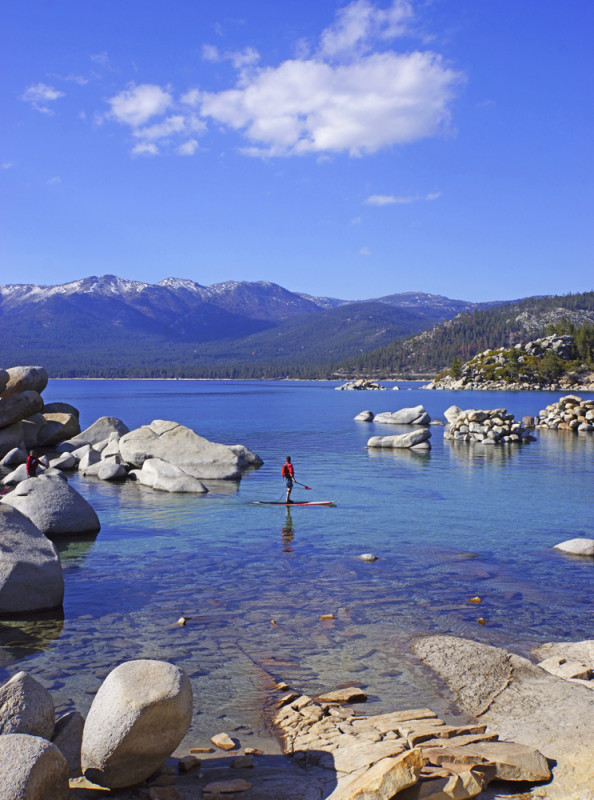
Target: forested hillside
x,y
470,333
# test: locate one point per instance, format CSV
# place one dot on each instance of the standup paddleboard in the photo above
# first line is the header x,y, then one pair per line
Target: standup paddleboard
x,y
283,503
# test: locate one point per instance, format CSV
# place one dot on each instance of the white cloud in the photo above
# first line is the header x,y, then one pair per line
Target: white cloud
x,y
313,107
364,251
6,165
356,221
161,130
210,52
188,148
359,24
53,181
390,199
239,58
102,59
39,95
137,104
145,149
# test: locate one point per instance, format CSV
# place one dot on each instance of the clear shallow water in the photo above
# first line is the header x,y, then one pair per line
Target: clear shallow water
x,y
457,522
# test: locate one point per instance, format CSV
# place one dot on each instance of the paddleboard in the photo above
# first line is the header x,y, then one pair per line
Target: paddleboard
x,y
282,503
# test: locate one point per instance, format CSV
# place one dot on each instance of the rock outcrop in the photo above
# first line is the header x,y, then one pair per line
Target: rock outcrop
x,y
522,702
536,365
360,385
30,571
181,446
570,413
486,427
140,714
577,547
166,477
25,421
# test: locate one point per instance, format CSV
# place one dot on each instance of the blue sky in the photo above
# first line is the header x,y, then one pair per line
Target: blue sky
x,y
345,149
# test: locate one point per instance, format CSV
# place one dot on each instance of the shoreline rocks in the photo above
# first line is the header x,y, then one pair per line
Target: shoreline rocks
x,y
360,385
570,413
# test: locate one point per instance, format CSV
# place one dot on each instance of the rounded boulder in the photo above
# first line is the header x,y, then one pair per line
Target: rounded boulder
x,y
53,506
24,379
26,707
139,716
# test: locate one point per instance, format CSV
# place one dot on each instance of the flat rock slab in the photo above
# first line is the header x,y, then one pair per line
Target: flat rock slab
x,y
383,780
223,741
348,695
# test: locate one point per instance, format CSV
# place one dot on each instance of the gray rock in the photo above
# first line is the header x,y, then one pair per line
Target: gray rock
x,y
14,457
368,557
112,447
364,416
30,571
246,455
78,452
19,474
110,470
64,461
26,707
100,430
139,716
32,768
18,407
166,477
58,427
24,379
60,408
88,459
577,547
4,378
53,506
402,440
179,445
68,739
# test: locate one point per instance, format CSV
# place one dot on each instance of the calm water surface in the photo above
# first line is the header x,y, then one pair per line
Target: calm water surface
x,y
456,522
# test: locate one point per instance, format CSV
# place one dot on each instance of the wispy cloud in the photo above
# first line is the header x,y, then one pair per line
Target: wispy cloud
x,y
402,200
6,165
40,95
55,180
360,25
238,58
145,149
364,251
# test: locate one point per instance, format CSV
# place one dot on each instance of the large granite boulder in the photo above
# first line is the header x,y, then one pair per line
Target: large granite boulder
x,y
452,413
100,430
24,379
20,474
179,445
26,707
53,506
246,455
32,428
139,716
19,406
4,378
30,571
402,440
159,474
405,416
58,426
111,470
32,768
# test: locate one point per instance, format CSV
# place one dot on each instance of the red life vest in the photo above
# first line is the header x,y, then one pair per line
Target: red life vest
x,y
287,470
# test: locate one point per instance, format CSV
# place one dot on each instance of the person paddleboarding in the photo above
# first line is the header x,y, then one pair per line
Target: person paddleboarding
x,y
288,474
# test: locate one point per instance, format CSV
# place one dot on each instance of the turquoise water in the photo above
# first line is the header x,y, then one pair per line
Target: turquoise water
x,y
457,522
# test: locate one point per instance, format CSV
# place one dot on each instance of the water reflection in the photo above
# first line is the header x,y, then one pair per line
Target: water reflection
x,y
287,533
74,551
20,638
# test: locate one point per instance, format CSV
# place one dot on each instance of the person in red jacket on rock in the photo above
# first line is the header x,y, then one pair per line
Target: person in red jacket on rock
x,y
32,463
288,474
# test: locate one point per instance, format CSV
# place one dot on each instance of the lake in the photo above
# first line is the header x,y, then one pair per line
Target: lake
x,y
460,521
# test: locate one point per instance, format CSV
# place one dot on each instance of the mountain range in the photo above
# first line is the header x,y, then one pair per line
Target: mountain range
x,y
111,327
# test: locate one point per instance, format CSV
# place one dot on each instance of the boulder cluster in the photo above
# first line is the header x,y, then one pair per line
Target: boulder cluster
x,y
485,427
361,384
138,717
570,413
415,440
25,420
517,368
412,754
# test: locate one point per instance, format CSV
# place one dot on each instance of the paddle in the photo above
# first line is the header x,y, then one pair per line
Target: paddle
x,y
309,489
